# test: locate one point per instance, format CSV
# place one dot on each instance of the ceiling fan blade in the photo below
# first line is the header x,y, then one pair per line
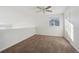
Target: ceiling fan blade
x,y
49,10
48,7
39,7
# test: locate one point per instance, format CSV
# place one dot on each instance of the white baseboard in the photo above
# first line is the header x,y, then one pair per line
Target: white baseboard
x,y
14,36
73,45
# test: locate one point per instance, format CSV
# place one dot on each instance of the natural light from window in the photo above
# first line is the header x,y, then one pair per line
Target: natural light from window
x,y
69,29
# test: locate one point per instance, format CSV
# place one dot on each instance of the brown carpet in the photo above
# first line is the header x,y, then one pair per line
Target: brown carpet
x,y
42,44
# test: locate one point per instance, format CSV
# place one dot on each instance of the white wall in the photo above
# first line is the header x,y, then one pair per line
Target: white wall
x,y
17,16
22,25
44,28
72,30
9,37
29,20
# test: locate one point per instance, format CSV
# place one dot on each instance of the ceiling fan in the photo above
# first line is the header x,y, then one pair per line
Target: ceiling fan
x,y
44,9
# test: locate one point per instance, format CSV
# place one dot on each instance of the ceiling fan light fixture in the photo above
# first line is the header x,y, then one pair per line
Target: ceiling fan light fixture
x,y
44,8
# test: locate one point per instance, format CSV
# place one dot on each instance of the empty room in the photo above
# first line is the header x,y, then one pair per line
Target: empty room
x,y
39,29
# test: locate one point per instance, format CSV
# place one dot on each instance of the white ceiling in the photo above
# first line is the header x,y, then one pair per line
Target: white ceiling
x,y
55,9
33,9
58,9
